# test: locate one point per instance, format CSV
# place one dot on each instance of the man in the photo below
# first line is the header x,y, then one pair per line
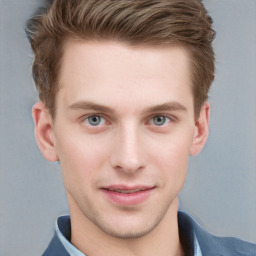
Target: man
x,y
123,88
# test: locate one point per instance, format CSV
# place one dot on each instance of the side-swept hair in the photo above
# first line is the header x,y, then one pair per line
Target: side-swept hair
x,y
136,22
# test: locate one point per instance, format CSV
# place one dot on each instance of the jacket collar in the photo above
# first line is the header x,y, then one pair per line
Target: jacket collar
x,y
189,231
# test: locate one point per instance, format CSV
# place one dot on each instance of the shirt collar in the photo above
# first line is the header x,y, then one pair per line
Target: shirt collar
x,y
63,230
187,234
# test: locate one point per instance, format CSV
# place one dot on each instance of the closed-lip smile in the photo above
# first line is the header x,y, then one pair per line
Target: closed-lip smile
x,y
128,195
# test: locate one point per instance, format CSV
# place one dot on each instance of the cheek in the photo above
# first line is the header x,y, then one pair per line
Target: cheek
x,y
174,169
171,156
175,161
80,157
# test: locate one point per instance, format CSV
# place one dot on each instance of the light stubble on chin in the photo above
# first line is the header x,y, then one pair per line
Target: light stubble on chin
x,y
106,227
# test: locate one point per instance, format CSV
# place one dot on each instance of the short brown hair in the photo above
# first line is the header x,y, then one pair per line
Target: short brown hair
x,y
152,22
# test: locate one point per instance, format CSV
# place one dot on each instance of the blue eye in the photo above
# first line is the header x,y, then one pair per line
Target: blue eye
x,y
160,120
95,120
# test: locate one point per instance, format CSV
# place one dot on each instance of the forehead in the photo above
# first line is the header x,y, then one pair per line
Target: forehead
x,y
110,71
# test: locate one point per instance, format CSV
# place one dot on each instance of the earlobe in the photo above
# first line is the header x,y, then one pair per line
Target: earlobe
x,y
44,131
201,130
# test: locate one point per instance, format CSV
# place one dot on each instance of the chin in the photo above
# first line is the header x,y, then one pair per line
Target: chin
x,y
127,229
129,234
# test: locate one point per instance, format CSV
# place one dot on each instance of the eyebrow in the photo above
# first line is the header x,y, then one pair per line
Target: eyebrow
x,y
168,106
87,105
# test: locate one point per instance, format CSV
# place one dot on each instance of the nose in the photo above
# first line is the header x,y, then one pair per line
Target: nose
x,y
128,153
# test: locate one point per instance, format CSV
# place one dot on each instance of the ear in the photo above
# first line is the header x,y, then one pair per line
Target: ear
x,y
44,131
201,130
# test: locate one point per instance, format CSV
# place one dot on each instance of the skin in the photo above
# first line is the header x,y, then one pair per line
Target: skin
x,y
124,118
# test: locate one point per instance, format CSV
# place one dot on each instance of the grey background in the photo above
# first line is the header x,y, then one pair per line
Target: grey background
x,y
220,191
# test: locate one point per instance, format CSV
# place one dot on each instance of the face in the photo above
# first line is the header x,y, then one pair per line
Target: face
x,y
123,132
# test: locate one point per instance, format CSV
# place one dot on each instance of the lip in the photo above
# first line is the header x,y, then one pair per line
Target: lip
x,y
128,195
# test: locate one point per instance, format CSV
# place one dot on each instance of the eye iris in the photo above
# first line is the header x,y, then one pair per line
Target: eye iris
x,y
159,120
94,120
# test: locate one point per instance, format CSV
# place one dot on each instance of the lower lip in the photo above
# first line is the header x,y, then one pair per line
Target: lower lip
x,y
128,199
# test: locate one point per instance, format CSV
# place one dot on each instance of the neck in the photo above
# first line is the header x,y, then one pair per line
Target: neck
x,y
162,240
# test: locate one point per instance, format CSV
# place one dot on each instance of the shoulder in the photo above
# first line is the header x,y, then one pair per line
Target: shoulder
x,y
62,232
214,245
211,245
232,246
55,248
